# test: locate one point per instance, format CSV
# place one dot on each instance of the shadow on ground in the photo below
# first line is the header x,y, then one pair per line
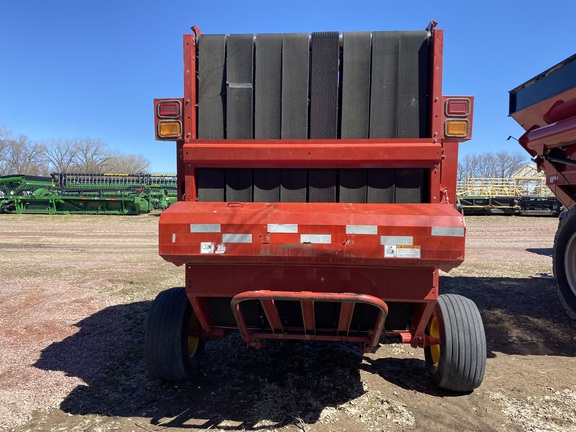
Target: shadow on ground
x,y
521,316
286,383
541,251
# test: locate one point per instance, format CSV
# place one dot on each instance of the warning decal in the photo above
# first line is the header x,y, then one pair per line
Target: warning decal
x,y
401,251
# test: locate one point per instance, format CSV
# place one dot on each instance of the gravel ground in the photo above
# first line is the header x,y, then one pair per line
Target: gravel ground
x,y
74,295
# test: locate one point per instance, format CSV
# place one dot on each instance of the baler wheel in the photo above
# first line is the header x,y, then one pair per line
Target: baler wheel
x,y
458,362
564,262
172,345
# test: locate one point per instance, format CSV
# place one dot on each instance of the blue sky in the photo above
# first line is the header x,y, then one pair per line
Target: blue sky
x,y
79,68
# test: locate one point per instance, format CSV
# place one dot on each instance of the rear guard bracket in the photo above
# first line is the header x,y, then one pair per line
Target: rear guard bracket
x,y
348,301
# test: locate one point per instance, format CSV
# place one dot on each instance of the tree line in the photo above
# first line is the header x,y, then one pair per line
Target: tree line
x,y
491,165
20,155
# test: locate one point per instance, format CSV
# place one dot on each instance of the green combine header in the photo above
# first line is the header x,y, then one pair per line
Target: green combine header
x,y
87,193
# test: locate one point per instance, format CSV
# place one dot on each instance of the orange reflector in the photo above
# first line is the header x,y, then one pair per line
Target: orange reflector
x,y
169,109
456,128
169,129
457,107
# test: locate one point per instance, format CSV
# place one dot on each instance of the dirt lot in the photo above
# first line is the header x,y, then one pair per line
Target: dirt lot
x,y
74,294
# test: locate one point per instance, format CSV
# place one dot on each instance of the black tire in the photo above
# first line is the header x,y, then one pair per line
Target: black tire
x,y
171,353
458,362
564,262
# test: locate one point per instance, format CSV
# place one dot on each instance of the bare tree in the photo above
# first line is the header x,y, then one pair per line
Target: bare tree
x,y
469,166
61,155
490,165
91,155
126,164
487,164
4,136
509,163
19,155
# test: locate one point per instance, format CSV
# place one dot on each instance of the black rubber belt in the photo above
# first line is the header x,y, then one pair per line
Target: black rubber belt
x,y
239,97
211,81
410,185
413,84
267,109
355,118
356,52
353,185
295,75
381,185
323,109
211,124
268,86
384,91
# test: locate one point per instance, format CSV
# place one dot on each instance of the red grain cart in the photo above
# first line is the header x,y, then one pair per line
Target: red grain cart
x,y
545,106
317,182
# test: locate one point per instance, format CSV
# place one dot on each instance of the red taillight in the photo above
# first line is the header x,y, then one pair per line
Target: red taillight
x,y
169,109
457,107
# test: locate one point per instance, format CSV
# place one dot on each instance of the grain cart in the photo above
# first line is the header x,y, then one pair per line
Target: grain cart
x,y
545,107
316,178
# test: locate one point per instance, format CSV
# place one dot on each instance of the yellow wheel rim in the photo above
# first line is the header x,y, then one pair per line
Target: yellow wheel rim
x,y
193,341
434,331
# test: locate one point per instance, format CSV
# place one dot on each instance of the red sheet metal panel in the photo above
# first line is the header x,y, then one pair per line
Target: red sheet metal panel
x,y
361,153
393,284
396,235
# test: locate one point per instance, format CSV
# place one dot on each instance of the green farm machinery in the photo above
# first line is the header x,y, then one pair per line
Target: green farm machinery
x,y
86,193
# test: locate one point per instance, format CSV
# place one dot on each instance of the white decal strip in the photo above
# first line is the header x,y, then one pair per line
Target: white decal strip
x,y
236,238
361,229
397,240
283,228
448,231
316,238
205,228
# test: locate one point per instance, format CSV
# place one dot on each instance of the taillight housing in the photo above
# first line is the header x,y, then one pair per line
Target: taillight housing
x,y
456,128
168,119
169,129
457,107
458,117
169,109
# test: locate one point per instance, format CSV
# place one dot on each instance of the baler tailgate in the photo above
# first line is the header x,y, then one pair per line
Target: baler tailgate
x,y
396,235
